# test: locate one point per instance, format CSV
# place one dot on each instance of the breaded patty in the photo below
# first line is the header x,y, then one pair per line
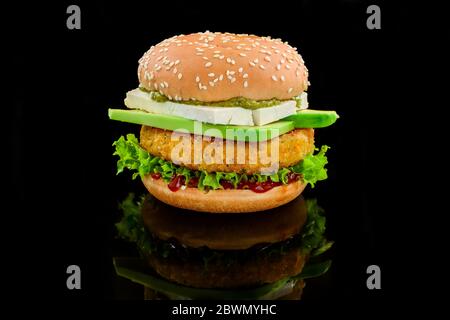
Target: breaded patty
x,y
257,270
293,147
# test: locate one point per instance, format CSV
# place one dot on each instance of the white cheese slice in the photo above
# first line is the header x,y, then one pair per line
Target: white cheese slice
x,y
137,99
303,101
267,115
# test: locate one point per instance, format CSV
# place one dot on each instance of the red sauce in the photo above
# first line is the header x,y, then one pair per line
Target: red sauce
x,y
176,183
292,177
263,186
156,175
193,182
243,185
259,187
226,184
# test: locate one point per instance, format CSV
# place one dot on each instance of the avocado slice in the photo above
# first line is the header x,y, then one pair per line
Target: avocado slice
x,y
313,118
302,119
135,270
174,123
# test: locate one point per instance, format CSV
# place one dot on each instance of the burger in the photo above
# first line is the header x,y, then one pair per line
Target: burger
x,y
225,124
191,255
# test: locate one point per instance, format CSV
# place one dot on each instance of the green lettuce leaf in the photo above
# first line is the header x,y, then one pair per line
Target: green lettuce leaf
x,y
311,241
134,158
313,234
312,168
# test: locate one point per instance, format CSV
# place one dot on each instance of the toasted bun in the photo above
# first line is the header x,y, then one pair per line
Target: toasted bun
x,y
223,201
196,229
220,66
256,270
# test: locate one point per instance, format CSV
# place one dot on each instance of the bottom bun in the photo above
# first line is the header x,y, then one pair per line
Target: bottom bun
x,y
223,201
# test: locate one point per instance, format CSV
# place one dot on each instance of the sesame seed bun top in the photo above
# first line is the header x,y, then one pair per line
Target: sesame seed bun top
x,y
220,66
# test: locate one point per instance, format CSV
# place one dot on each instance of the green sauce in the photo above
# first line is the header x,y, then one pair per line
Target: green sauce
x,y
233,102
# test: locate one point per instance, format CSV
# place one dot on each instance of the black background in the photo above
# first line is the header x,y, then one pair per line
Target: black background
x,y
64,183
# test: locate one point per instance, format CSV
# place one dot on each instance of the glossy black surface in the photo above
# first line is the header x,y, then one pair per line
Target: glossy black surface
x,y
64,175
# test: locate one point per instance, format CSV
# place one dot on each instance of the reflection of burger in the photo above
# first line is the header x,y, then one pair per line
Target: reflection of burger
x,y
196,256
226,95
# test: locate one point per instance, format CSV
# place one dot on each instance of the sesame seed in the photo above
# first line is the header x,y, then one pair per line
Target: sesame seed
x,y
290,90
233,62
199,85
216,56
274,78
262,67
177,62
256,60
158,68
199,53
278,66
245,84
159,58
282,61
242,54
197,79
229,60
221,77
217,51
267,58
155,85
288,67
208,64
221,57
283,78
232,72
240,69
233,80
211,83
215,80
252,64
171,64
169,96
245,75
297,73
175,70
166,84
211,74
180,76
